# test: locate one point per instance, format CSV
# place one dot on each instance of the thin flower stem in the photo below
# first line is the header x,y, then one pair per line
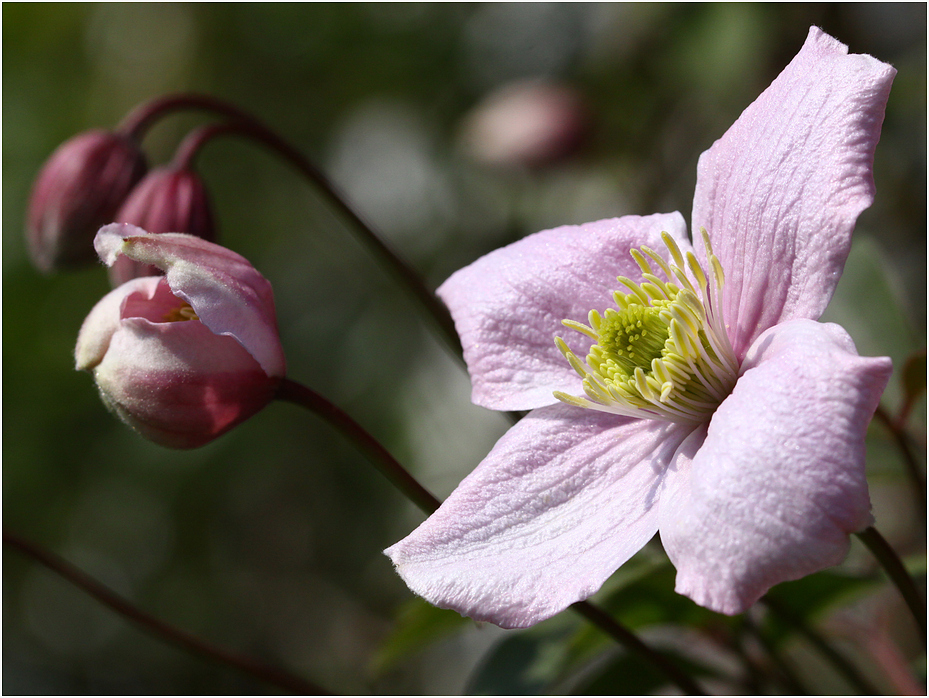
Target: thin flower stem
x,y
141,118
630,641
845,667
894,568
159,628
291,391
898,432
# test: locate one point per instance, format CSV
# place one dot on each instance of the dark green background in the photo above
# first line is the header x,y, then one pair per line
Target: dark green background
x,y
268,540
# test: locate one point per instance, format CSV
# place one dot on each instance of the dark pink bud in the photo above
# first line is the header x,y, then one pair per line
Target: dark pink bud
x,y
526,124
80,188
167,200
185,357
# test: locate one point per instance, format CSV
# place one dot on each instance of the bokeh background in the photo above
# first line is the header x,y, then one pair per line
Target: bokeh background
x,y
269,540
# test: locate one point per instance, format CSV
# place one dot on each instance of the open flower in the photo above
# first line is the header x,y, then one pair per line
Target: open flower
x,y
185,357
711,406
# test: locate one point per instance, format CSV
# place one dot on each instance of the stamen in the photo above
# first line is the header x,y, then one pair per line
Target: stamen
x,y
182,313
663,353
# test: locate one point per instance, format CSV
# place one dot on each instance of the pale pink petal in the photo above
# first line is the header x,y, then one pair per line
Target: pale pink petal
x,y
94,338
779,483
178,383
780,192
508,305
563,499
224,289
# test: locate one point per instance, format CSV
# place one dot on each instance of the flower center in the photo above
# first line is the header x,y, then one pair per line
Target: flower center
x,y
664,354
181,313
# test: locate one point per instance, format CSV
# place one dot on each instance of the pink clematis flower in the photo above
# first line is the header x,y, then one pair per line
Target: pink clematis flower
x,y
711,407
185,357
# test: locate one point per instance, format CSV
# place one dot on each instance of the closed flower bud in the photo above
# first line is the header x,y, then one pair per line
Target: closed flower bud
x,y
80,187
184,357
167,200
526,124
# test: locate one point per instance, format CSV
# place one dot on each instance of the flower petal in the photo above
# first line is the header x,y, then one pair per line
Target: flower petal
x,y
94,338
563,499
509,304
224,289
779,483
780,192
154,376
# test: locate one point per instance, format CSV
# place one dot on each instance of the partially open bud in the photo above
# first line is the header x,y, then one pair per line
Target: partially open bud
x,y
168,200
185,357
80,187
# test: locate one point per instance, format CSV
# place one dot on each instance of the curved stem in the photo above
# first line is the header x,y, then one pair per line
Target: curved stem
x,y
897,430
894,568
630,641
140,119
196,139
247,125
157,627
291,391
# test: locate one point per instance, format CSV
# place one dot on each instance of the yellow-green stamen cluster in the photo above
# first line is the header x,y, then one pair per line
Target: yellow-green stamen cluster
x,y
664,353
181,313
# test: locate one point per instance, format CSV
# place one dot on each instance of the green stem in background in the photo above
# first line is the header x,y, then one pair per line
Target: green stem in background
x,y
913,471
141,119
380,457
159,628
847,669
894,568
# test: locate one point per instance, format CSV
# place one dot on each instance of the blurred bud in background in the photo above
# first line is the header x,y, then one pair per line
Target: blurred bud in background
x,y
169,199
79,188
526,124
185,357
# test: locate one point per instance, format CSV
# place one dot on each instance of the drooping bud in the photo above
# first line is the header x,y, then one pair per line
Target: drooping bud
x,y
79,188
185,357
169,199
527,124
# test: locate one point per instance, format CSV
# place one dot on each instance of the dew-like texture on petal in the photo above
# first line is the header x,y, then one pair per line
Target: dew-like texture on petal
x,y
508,305
155,377
779,483
563,499
781,190
93,340
224,289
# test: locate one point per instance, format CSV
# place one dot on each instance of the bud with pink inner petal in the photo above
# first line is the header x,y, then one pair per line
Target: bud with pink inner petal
x,y
185,357
80,187
169,199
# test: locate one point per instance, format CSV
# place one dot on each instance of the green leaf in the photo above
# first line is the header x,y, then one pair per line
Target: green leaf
x,y
418,625
813,595
521,665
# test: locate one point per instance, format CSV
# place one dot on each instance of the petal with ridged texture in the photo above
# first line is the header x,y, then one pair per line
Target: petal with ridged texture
x,y
781,190
224,289
778,485
178,383
509,304
563,499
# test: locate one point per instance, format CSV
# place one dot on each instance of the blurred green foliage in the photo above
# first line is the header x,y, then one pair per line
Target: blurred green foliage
x,y
269,540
